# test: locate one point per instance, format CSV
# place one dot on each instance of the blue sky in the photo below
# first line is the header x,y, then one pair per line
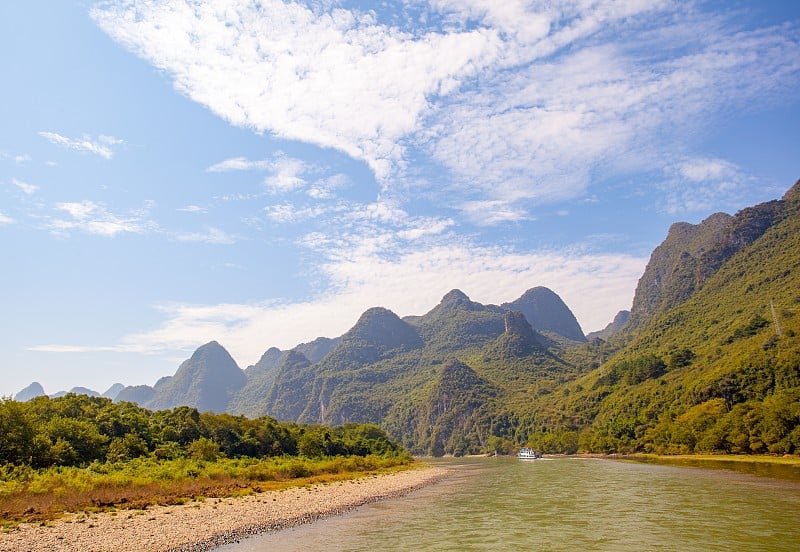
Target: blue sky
x,y
260,173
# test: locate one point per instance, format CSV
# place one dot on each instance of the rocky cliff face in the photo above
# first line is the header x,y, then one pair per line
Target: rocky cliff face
x,y
692,253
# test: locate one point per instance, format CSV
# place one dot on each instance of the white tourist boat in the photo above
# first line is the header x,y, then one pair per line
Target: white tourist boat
x,y
528,454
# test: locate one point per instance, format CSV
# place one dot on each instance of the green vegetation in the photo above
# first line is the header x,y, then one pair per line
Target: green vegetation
x,y
716,372
79,451
708,363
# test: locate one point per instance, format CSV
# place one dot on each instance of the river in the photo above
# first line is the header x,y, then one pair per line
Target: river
x,y
563,504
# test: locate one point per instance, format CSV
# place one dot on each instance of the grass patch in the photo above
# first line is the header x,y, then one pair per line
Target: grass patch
x,y
28,495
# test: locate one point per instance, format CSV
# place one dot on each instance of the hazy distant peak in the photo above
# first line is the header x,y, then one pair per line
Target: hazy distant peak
x,y
34,390
84,391
619,322
113,391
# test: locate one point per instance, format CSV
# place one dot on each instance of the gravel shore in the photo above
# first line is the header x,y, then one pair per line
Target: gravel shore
x,y
204,525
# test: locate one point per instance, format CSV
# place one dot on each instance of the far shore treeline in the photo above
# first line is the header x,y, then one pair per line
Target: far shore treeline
x,y
77,430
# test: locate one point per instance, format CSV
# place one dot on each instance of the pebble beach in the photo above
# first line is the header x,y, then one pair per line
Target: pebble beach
x,y
204,525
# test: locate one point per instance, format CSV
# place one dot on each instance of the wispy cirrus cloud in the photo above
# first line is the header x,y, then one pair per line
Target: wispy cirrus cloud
x,y
56,348
102,146
211,235
192,209
26,187
702,184
19,159
239,164
337,78
286,212
5,219
287,174
95,218
518,103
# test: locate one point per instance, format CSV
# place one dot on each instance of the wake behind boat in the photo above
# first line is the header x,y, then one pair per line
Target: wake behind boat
x,y
528,454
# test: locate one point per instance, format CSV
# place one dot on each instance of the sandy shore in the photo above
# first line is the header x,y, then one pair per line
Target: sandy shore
x,y
204,525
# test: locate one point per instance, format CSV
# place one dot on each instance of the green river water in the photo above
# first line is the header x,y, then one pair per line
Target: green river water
x,y
564,504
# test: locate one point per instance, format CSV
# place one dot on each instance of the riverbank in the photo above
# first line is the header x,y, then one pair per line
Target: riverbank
x,y
203,525
776,467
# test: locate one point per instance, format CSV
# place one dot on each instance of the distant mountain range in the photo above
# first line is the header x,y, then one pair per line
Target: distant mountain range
x,y
35,389
713,327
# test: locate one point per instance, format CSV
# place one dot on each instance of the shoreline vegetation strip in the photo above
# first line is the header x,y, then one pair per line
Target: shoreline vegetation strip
x,y
31,495
200,525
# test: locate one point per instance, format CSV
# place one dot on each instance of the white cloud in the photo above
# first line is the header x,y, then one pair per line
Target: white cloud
x,y
424,227
102,146
337,78
324,188
704,169
703,184
492,212
26,188
287,175
211,235
522,103
19,159
192,209
5,219
239,164
54,348
289,213
95,218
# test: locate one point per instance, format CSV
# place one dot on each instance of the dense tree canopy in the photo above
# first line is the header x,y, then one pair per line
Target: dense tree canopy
x,y
76,430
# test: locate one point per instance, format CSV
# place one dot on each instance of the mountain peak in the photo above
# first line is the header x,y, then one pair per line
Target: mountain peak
x,y
546,311
210,346
377,332
268,361
455,296
518,340
206,381
793,193
456,300
517,324
34,390
381,326
692,253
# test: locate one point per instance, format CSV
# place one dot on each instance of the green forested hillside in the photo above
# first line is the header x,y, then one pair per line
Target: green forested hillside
x,y
436,382
719,371
709,360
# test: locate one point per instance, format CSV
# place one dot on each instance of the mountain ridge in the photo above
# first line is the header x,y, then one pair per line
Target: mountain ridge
x,y
707,359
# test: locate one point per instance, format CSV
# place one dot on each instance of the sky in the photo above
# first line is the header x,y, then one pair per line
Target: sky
x,y
260,173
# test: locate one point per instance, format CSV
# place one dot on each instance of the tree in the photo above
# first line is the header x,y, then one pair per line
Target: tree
x,y
17,433
204,449
82,437
127,447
